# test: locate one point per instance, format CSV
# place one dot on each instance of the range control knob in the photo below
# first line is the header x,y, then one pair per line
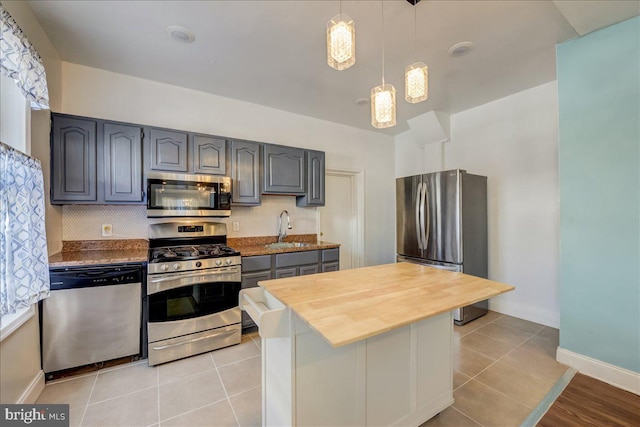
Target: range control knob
x,y
176,266
228,261
198,264
164,267
218,262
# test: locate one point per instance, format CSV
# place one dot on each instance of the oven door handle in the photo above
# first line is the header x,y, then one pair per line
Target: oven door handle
x,y
164,347
166,282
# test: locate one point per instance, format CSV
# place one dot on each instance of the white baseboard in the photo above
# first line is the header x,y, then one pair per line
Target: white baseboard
x,y
32,392
610,374
526,312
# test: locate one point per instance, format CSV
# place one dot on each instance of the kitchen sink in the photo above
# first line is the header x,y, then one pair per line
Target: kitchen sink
x,y
285,245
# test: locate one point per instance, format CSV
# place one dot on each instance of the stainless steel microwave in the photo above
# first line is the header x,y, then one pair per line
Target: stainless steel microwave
x,y
178,195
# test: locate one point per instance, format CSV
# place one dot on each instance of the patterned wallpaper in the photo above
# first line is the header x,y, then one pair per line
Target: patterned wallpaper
x,y
84,222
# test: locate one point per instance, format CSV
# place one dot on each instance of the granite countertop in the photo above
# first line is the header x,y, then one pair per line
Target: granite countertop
x,y
351,305
99,252
253,246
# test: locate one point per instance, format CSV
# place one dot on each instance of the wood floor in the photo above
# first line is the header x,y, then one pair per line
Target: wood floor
x,y
589,402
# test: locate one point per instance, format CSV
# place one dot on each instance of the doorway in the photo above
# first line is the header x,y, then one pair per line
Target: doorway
x,y
342,217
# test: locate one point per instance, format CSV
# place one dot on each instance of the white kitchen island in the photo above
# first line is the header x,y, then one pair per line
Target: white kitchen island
x,y
369,346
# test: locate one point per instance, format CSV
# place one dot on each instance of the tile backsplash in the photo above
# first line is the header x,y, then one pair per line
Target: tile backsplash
x,y
84,222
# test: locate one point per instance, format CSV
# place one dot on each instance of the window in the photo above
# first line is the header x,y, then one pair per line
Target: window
x,y
15,123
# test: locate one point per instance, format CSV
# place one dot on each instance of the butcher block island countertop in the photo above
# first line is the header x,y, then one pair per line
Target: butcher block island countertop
x,y
351,305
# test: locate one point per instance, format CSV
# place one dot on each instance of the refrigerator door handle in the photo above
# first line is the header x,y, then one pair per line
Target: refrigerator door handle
x,y
422,213
426,229
418,206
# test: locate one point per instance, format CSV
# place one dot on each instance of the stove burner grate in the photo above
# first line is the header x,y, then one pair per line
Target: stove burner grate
x,y
179,253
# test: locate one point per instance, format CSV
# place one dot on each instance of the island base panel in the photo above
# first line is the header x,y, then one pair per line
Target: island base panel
x,y
401,377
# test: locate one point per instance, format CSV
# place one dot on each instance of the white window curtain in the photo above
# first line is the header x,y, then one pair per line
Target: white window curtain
x,y
20,61
24,266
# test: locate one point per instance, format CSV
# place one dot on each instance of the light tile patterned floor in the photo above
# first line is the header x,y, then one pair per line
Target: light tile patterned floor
x,y
504,366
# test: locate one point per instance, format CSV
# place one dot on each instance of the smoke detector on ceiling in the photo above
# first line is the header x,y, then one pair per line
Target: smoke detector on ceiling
x,y
180,34
460,49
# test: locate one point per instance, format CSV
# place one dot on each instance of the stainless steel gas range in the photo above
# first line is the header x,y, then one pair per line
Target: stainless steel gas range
x,y
193,282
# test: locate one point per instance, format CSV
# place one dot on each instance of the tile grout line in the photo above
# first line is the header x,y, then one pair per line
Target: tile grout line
x,y
195,409
465,415
158,395
227,394
86,407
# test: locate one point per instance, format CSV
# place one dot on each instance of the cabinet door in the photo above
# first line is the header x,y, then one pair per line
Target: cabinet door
x,y
308,269
168,150
209,155
250,280
245,172
330,266
314,171
283,170
73,159
122,163
281,273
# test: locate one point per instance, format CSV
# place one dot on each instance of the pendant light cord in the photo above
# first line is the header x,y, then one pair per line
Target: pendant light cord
x,y
415,32
382,7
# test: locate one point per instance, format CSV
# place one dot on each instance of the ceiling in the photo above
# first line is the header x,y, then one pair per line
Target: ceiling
x,y
273,52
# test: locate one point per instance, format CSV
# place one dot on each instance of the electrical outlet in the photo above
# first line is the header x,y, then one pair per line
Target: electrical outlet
x,y
236,226
107,230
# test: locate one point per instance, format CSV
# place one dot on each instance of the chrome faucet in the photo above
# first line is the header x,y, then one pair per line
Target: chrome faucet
x,y
282,235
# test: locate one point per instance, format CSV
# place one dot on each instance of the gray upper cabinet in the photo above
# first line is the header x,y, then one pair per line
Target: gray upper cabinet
x,y
314,173
168,150
122,163
209,155
245,172
283,170
73,159
95,162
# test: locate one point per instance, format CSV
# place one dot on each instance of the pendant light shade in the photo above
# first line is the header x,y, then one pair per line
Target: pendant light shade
x,y
341,42
383,106
416,82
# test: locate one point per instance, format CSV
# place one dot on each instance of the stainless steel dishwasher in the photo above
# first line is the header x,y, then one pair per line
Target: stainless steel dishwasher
x,y
92,315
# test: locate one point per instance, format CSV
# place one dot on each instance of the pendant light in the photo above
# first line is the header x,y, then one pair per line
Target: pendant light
x,y
383,97
416,75
341,41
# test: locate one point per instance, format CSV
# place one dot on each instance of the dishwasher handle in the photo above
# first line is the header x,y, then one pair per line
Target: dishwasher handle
x,y
92,277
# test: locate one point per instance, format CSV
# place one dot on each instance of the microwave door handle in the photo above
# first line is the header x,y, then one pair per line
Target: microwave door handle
x,y
417,223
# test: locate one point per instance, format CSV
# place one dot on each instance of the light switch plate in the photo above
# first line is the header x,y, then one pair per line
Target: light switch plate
x,y
107,230
235,226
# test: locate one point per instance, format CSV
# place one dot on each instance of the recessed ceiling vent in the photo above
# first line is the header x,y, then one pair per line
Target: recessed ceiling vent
x,y
180,34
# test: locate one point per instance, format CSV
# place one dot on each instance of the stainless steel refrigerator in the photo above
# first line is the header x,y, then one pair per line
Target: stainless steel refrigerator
x,y
442,223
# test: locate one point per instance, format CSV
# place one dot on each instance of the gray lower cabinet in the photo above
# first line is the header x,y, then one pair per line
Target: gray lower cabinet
x,y
73,159
279,266
314,174
254,269
122,163
330,266
208,155
283,169
245,173
168,150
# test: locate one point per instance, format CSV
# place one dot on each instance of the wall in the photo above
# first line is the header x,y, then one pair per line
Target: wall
x,y
20,374
599,93
14,121
130,222
98,93
513,141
